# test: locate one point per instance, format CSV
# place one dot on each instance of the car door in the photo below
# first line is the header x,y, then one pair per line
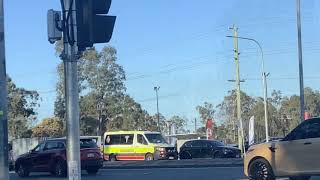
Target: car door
x,y
311,147
33,158
293,155
141,147
195,149
206,149
45,157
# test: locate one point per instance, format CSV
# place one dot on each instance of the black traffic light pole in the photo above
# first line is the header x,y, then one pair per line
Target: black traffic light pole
x,y
83,23
70,59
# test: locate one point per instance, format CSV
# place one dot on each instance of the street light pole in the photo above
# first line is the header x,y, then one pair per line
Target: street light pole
x,y
158,116
4,170
300,62
264,84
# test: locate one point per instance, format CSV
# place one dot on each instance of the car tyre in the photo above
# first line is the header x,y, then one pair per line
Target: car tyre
x,y
300,178
60,169
112,158
217,155
22,171
185,155
260,169
149,157
92,171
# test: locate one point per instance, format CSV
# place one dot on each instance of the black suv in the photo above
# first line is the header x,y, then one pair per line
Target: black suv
x,y
207,149
50,156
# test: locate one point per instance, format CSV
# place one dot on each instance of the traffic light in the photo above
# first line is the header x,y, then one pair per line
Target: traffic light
x,y
93,23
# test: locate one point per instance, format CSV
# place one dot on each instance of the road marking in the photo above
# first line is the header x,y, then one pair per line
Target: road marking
x,y
144,169
277,179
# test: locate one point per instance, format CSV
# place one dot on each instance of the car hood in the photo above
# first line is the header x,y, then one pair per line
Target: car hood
x,y
263,146
23,155
228,147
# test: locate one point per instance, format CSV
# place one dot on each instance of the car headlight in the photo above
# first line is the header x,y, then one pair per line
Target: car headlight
x,y
226,151
160,149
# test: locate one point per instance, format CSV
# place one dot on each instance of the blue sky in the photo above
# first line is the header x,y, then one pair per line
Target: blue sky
x,y
177,45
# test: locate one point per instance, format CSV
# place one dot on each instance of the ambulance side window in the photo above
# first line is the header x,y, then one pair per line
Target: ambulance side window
x,y
141,139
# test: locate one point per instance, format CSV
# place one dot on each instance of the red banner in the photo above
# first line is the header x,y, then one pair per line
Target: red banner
x,y
209,128
306,115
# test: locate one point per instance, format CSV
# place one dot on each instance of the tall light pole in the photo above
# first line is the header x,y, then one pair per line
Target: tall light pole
x,y
4,170
300,62
264,84
156,89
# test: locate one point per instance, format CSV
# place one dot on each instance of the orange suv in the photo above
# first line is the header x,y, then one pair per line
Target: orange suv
x,y
296,156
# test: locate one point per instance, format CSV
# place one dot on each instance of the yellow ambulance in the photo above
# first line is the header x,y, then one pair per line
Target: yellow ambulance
x,y
137,145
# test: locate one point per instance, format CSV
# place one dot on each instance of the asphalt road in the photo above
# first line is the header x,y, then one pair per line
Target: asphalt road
x,y
227,173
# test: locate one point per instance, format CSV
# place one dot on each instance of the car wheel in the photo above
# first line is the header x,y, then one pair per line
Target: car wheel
x,y
185,155
112,158
300,178
60,169
260,169
218,155
92,171
22,171
149,157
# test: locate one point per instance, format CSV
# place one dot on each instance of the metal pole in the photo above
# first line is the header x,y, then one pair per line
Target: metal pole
x,y
264,82
158,116
4,169
300,62
72,98
195,125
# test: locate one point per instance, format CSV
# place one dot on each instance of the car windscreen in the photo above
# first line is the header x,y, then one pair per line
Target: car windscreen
x,y
155,138
88,143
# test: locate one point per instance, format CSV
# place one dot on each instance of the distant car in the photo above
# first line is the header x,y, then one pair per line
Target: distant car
x,y
296,156
207,149
50,156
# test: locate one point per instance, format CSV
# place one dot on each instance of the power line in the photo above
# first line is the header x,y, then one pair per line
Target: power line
x,y
285,78
179,68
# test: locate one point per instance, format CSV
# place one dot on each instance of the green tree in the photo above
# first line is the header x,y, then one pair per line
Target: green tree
x,y
206,111
273,120
103,97
180,123
49,127
89,115
22,106
228,113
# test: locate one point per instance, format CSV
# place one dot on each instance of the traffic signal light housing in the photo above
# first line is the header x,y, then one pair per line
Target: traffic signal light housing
x,y
93,23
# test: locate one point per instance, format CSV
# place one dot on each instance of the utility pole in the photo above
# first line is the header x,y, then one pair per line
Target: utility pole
x,y
4,169
70,59
158,116
300,62
195,125
236,57
264,84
